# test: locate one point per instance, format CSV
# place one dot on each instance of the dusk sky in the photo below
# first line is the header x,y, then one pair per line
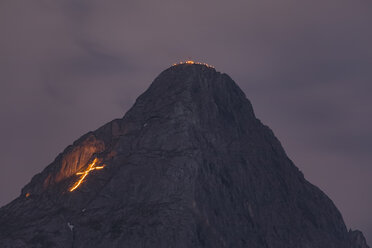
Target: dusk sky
x,y
67,67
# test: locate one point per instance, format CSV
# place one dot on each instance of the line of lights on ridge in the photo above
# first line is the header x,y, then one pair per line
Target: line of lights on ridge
x,y
190,62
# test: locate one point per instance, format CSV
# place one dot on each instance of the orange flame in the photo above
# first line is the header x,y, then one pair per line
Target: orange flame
x,y
85,173
190,62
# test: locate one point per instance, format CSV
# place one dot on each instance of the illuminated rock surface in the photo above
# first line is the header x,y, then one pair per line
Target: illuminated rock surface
x,y
189,165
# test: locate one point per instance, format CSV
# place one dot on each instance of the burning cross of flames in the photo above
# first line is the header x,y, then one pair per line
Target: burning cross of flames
x,y
85,173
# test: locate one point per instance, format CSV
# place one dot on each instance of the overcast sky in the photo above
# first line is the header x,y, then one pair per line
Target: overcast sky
x,y
70,66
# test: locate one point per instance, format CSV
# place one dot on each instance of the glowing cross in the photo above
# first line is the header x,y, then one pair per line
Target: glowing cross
x,y
85,173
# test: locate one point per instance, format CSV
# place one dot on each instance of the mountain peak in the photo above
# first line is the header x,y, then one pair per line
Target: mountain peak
x,y
195,83
189,70
185,72
189,165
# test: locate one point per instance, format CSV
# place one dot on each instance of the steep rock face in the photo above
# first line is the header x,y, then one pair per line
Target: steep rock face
x,y
357,239
189,165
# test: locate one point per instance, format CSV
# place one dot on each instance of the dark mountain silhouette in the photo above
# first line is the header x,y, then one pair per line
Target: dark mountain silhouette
x,y
189,165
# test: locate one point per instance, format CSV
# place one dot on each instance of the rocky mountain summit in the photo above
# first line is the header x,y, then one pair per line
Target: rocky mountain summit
x,y
189,165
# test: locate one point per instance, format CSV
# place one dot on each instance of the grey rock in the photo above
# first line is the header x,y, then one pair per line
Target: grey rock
x,y
189,165
358,239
